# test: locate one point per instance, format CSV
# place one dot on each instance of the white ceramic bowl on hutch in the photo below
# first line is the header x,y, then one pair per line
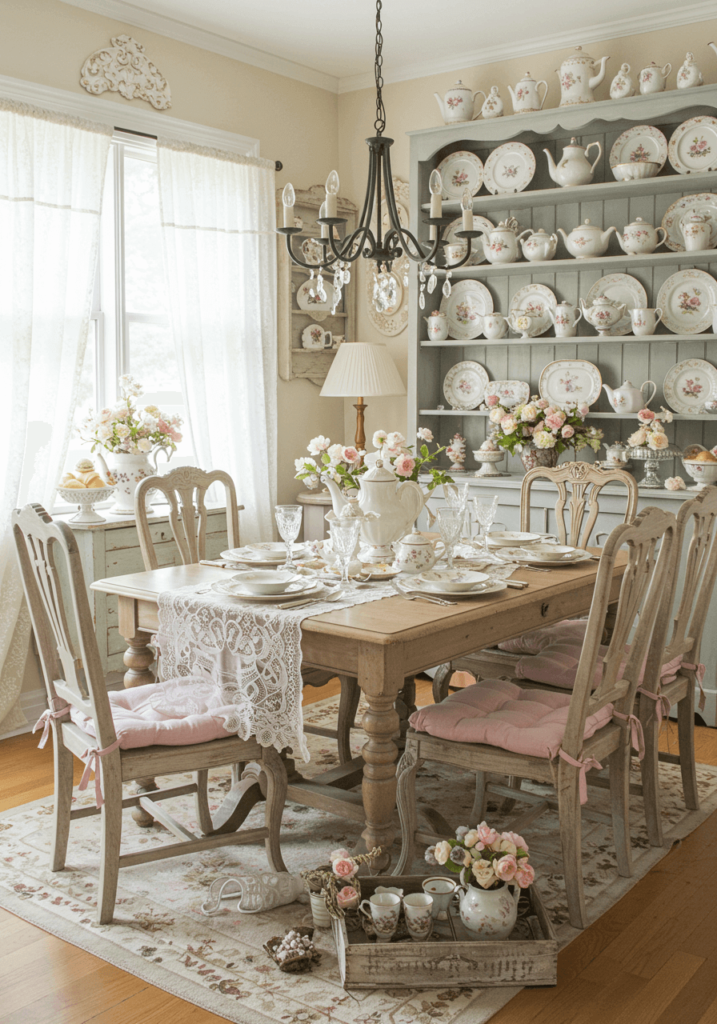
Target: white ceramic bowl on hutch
x,y
636,171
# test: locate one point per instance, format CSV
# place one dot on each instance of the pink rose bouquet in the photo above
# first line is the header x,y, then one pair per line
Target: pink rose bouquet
x,y
343,865
538,424
347,898
651,432
128,429
491,858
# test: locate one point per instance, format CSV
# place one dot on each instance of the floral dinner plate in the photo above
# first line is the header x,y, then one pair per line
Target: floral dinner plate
x,y
464,385
230,588
509,392
640,144
465,308
535,298
702,202
460,171
693,146
312,303
570,382
416,586
689,384
509,168
685,300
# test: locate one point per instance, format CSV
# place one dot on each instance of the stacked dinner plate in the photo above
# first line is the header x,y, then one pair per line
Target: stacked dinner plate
x,y
268,554
266,585
454,583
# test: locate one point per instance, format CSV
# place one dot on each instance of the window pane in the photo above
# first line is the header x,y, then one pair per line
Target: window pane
x,y
151,357
145,290
86,397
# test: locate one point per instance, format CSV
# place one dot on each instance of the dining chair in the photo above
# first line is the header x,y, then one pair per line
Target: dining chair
x,y
121,736
585,482
185,490
498,727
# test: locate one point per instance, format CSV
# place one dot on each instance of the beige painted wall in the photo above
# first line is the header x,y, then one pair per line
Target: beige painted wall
x,y
47,41
411,106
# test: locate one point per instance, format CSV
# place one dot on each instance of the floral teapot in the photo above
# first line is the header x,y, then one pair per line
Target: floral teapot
x,y
623,84
396,506
578,77
416,552
501,244
526,95
628,398
587,240
689,74
574,167
654,78
539,245
640,237
457,104
492,103
523,321
603,314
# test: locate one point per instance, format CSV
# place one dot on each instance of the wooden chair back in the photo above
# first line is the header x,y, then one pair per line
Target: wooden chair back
x,y
644,590
585,481
56,595
185,489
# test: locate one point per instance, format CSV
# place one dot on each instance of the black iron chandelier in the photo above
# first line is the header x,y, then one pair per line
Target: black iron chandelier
x,y
386,243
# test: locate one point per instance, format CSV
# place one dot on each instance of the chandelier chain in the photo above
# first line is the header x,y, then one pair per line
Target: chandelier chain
x,y
380,122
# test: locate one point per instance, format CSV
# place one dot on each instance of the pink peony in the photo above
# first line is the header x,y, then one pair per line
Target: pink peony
x,y
486,834
508,424
567,430
491,400
351,455
163,427
506,867
542,403
657,441
424,434
347,898
524,875
344,867
404,465
339,854
514,838
583,409
554,421
645,415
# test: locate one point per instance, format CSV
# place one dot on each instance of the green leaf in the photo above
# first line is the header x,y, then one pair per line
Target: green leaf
x,y
454,868
424,451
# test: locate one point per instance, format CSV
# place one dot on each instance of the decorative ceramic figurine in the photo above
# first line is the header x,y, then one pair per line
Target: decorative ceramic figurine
x,y
539,245
565,319
523,321
696,230
494,326
578,77
628,398
689,74
489,455
587,240
416,552
640,237
457,104
603,314
574,167
653,78
526,98
623,84
456,452
493,104
437,325
501,244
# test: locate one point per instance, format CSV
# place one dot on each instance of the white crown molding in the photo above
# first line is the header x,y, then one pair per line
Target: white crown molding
x,y
681,15
119,115
131,14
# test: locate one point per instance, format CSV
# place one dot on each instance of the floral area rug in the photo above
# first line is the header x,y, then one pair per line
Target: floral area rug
x,y
160,935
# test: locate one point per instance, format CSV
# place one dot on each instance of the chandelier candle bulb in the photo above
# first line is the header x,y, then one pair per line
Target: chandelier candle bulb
x,y
324,227
435,184
332,191
288,198
467,205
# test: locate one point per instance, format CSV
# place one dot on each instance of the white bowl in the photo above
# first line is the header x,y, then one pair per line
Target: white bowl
x,y
84,498
703,473
267,581
551,552
511,539
456,580
634,172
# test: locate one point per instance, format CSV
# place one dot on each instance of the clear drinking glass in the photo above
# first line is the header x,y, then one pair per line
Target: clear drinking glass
x,y
485,510
456,495
344,535
288,520
449,521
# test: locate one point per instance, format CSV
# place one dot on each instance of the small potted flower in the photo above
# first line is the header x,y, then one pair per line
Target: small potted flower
x,y
539,432
335,890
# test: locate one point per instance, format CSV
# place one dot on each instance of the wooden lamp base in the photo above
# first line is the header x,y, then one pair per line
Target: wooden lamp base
x,y
360,439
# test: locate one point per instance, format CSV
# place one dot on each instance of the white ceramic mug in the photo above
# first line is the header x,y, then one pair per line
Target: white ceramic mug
x,y
418,908
645,321
442,890
697,236
494,326
383,908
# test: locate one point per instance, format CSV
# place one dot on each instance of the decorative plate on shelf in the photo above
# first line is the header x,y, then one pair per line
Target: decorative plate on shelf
x,y
686,299
570,382
536,298
689,384
464,385
620,288
465,308
702,202
315,337
479,224
693,146
509,392
312,303
460,171
638,145
509,168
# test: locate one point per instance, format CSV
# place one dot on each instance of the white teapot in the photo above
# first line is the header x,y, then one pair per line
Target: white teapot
x,y
574,167
501,244
539,245
523,321
603,314
492,103
653,78
587,240
457,104
526,97
578,77
437,325
565,319
689,74
623,84
696,230
416,552
640,237
628,398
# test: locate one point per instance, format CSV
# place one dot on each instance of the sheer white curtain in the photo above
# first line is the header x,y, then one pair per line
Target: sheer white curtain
x,y
218,220
51,178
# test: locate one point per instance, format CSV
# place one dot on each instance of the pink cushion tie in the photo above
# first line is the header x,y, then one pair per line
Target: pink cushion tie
x,y
699,671
45,719
663,705
585,764
91,757
637,736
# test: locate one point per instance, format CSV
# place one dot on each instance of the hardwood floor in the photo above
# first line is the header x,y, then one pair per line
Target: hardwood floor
x,y
651,959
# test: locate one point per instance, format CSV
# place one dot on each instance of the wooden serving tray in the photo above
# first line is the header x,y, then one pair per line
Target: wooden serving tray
x,y
451,957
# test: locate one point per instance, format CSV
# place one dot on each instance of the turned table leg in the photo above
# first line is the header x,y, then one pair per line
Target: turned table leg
x,y
138,657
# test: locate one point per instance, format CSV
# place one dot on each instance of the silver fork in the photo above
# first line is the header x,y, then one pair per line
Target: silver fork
x,y
414,596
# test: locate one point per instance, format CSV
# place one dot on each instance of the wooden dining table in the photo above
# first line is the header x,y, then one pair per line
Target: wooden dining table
x,y
381,644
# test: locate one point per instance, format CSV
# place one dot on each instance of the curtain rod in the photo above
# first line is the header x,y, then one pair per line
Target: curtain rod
x,y
278,166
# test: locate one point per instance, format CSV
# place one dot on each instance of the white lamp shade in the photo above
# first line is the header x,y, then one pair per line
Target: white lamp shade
x,y
362,369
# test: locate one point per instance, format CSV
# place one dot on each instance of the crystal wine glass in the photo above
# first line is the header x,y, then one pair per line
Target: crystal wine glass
x,y
450,521
485,509
456,495
288,520
344,535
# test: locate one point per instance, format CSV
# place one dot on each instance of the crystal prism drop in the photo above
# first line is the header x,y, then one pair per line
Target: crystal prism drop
x,y
405,281
422,300
347,276
446,288
422,276
432,282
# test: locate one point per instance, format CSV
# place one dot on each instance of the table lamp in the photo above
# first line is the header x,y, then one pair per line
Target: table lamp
x,y
366,371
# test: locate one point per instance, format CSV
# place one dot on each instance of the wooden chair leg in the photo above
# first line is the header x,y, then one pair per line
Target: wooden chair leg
x,y
650,773
348,706
686,739
480,800
406,802
201,802
619,773
111,816
507,804
63,803
440,682
276,784
571,842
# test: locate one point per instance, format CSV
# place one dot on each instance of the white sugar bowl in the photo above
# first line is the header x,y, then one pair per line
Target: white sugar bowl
x,y
416,552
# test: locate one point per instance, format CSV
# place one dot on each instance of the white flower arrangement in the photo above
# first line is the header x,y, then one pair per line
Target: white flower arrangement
x,y
127,429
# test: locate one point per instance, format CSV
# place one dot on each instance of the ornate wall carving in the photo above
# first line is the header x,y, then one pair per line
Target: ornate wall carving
x,y
124,68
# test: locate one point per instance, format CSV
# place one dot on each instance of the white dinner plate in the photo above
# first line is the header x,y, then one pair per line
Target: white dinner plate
x,y
689,384
480,591
230,588
465,308
511,538
460,171
570,382
685,300
523,555
702,202
509,168
264,554
455,580
509,392
464,385
312,303
693,146
638,145
620,288
479,224
535,298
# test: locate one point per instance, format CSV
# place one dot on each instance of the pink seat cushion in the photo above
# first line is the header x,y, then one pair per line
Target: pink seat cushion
x,y
138,723
538,639
502,714
557,665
